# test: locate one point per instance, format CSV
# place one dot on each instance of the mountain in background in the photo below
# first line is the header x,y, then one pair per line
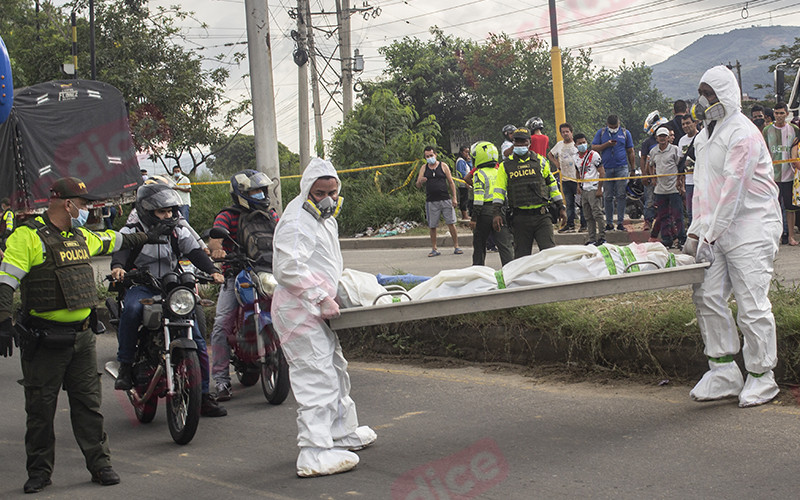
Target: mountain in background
x,y
678,76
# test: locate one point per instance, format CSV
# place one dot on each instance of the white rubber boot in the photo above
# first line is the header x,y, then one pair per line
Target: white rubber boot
x,y
313,462
723,380
358,440
758,390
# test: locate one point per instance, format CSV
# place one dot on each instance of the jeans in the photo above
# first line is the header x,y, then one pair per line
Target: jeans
x,y
649,203
570,190
224,320
129,322
184,210
669,218
614,191
689,194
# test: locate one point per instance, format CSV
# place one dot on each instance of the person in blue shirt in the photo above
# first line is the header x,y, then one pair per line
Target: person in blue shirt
x,y
615,145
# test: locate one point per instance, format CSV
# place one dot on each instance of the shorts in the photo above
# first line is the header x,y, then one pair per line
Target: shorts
x,y
785,195
436,209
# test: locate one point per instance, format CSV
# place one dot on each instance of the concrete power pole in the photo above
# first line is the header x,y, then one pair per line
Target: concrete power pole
x,y
343,18
302,82
265,126
319,147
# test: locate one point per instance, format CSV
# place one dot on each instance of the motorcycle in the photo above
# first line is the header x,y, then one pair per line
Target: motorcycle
x,y
166,363
255,348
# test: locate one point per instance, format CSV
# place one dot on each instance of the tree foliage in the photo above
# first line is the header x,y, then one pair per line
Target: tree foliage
x,y
785,54
480,87
175,102
238,153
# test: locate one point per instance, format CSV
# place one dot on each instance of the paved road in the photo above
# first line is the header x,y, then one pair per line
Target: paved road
x,y
487,434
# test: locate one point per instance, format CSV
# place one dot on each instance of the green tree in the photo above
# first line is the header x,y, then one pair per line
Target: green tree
x,y
380,130
785,54
237,153
174,101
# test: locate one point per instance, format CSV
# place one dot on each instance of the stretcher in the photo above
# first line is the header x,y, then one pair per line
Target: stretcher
x,y
508,298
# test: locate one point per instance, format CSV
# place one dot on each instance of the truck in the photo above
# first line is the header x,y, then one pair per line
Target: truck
x,y
68,128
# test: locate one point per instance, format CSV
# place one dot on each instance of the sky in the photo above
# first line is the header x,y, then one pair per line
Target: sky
x,y
634,30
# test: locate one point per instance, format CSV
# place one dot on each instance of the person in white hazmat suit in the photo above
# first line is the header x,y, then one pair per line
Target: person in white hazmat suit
x,y
736,226
307,265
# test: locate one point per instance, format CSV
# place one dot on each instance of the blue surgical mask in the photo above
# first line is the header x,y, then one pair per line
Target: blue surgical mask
x,y
431,160
583,147
520,150
258,196
83,216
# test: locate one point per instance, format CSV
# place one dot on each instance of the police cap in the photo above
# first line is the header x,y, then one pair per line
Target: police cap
x,y
70,187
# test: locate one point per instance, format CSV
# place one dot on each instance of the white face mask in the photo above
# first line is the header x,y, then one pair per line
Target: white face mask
x,y
613,130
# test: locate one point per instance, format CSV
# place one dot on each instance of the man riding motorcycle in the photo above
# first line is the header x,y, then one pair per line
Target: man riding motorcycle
x,y
157,207
249,192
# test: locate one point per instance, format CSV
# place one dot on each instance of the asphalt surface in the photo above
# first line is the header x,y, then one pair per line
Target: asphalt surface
x,y
442,432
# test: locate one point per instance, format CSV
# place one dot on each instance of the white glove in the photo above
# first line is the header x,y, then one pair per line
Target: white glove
x,y
690,246
328,308
705,253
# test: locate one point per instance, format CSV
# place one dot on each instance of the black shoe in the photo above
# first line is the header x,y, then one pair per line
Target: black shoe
x,y
609,227
566,229
36,484
210,408
105,476
590,242
784,239
124,380
620,227
600,242
582,229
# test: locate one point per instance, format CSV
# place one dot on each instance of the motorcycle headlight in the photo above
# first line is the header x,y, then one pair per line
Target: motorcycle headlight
x,y
181,302
268,283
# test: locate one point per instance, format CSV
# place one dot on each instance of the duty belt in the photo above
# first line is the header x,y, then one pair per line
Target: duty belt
x,y
45,324
531,211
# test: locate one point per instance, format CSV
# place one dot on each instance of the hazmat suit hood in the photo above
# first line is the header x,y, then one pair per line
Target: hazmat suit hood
x,y
724,83
316,168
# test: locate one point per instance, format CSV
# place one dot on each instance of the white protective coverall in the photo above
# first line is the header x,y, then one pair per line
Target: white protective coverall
x,y
307,264
736,209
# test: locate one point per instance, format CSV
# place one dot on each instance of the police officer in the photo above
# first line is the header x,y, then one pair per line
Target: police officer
x,y
531,189
487,217
48,259
7,224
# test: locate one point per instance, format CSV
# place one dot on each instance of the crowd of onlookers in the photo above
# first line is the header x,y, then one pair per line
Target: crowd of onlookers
x,y
653,180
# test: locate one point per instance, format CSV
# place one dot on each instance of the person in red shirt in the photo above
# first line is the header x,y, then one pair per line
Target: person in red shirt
x,y
539,142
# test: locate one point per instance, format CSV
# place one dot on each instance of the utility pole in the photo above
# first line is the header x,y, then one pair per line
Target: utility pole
x,y
555,63
319,147
301,59
265,128
74,45
739,76
345,55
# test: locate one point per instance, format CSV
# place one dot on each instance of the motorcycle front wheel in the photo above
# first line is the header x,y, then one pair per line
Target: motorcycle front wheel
x,y
183,408
274,370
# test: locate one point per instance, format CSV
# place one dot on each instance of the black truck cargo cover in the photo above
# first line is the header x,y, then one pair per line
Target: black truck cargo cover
x,y
75,128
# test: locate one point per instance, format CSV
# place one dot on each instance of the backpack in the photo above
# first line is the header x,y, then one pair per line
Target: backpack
x,y
254,235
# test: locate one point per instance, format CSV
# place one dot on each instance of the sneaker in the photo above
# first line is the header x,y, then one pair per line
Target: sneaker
x,y
124,380
591,242
647,225
582,229
566,229
622,228
224,392
599,242
105,476
210,408
36,484
609,227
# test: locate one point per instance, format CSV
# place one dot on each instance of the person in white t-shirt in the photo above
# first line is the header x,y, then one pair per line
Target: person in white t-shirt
x,y
562,155
589,166
184,188
686,163
779,137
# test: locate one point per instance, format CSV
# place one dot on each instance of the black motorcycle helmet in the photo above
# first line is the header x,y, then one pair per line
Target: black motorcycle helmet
x,y
245,181
151,197
508,129
634,189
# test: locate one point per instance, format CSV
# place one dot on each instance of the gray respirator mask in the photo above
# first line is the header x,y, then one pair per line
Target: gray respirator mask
x,y
703,110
